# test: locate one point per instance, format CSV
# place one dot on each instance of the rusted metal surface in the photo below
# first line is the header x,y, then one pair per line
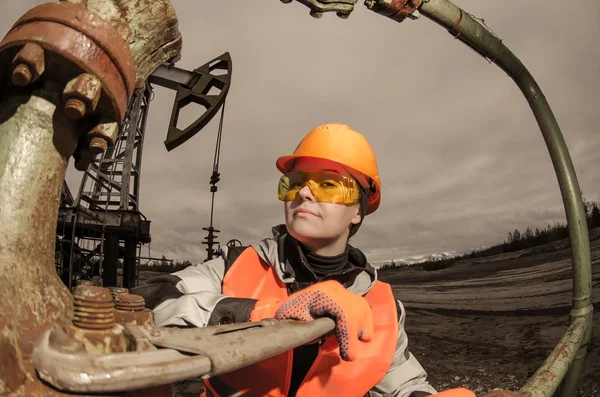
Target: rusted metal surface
x,y
28,64
131,309
93,308
33,162
75,41
342,8
39,56
398,10
558,362
150,29
102,135
62,366
116,291
130,302
81,95
92,25
65,362
12,370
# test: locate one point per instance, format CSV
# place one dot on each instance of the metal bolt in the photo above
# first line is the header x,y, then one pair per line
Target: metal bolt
x,y
369,4
93,308
98,145
28,64
75,108
81,95
21,75
103,135
343,15
116,291
316,14
286,1
130,302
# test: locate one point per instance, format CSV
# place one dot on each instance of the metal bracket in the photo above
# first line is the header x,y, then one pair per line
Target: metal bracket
x,y
63,363
342,8
193,87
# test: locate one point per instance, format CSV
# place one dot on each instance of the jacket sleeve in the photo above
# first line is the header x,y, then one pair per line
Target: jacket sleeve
x,y
405,377
192,297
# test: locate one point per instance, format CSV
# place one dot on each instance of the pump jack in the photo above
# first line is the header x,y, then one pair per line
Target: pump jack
x,y
106,213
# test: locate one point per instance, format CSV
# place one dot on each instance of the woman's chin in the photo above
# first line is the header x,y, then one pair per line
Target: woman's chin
x,y
302,231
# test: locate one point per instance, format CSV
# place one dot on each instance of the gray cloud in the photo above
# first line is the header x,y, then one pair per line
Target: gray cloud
x,y
461,157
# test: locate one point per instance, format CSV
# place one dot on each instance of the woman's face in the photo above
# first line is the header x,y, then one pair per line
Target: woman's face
x,y
317,224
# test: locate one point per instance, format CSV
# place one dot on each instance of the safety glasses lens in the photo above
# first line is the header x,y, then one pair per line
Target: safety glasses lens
x,y
329,187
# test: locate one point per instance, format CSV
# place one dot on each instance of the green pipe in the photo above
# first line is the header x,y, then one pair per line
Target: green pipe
x,y
464,27
547,378
35,141
474,34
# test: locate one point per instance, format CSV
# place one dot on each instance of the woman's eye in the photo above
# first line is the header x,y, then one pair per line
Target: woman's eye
x,y
328,184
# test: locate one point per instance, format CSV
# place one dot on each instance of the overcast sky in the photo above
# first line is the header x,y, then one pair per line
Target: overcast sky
x,y
461,158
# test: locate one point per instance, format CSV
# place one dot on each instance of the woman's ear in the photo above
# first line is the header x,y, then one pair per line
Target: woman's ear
x,y
357,217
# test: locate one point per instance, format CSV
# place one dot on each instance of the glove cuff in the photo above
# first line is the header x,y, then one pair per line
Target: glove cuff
x,y
265,308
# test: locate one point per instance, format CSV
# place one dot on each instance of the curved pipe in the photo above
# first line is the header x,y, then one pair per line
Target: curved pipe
x,y
566,360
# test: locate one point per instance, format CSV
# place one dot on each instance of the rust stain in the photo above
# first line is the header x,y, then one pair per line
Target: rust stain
x,y
92,26
398,10
93,308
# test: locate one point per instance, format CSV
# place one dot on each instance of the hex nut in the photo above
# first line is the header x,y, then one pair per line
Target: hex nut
x,y
28,65
81,95
104,134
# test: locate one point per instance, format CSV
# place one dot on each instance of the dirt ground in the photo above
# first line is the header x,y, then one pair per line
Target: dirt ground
x,y
491,322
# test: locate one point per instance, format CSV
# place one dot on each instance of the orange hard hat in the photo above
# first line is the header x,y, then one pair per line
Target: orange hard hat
x,y
345,146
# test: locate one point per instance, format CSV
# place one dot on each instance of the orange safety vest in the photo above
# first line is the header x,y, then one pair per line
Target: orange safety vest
x,y
250,277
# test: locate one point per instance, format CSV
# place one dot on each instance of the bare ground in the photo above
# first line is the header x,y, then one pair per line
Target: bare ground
x,y
490,322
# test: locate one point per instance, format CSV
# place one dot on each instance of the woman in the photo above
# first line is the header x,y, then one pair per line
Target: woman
x,y
307,269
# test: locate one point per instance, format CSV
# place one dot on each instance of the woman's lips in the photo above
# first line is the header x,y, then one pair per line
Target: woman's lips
x,y
304,212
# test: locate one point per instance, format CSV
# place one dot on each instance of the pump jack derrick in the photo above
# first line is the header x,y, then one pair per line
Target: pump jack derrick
x,y
104,223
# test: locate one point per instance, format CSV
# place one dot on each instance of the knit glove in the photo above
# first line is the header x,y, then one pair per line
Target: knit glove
x,y
351,312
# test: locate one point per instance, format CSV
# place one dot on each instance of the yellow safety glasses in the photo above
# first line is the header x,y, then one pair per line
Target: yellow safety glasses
x,y
326,186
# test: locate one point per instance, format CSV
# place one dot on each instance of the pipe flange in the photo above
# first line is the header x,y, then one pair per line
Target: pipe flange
x,y
76,41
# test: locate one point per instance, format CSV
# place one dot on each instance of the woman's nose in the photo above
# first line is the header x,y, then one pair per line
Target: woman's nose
x,y
306,194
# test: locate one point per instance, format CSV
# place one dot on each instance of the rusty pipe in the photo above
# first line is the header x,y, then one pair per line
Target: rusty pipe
x,y
35,141
56,52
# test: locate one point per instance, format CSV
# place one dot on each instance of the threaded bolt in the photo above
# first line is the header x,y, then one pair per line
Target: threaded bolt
x,y
75,108
21,75
116,291
93,308
98,145
130,303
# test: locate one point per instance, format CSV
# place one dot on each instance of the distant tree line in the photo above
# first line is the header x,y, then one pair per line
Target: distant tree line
x,y
515,241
